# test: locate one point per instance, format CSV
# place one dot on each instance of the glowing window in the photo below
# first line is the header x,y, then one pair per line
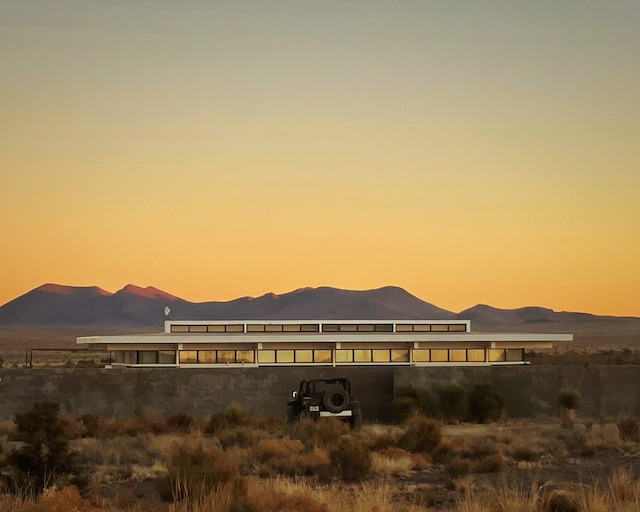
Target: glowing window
x,y
422,328
439,355
188,356
284,356
496,354
304,356
179,328
330,328
365,327
458,355
234,328
310,328
439,327
475,354
400,355
348,328
421,356
291,328
322,356
226,356
273,328
457,328
215,328
244,356
362,355
207,356
255,328
404,328
344,356
266,356
381,356
197,328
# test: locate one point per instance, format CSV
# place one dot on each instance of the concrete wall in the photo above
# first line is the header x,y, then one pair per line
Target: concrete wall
x,y
117,393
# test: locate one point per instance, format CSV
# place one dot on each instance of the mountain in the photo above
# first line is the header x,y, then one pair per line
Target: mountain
x,y
53,304
134,306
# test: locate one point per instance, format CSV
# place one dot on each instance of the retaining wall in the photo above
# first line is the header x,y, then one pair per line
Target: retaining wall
x,y
529,391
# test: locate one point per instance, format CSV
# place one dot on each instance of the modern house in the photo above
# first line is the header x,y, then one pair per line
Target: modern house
x,y
253,343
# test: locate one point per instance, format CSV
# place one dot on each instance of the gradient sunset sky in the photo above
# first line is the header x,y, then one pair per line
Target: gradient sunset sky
x,y
468,151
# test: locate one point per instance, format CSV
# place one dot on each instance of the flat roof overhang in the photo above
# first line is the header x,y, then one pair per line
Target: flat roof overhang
x,y
498,340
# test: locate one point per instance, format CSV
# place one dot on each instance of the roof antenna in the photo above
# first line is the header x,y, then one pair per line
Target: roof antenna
x,y
167,312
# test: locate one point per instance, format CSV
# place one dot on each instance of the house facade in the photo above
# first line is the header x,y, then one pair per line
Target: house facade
x,y
334,343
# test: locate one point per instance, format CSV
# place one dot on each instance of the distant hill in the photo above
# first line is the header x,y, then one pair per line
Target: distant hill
x,y
133,306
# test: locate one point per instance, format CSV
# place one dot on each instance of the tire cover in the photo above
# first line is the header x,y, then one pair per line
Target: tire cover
x,y
335,399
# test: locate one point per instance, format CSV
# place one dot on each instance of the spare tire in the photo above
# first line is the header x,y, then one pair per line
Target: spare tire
x,y
335,399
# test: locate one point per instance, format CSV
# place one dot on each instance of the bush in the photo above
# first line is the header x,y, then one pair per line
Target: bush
x,y
44,457
180,422
485,404
91,423
351,458
422,435
407,401
233,416
319,434
453,402
629,429
195,471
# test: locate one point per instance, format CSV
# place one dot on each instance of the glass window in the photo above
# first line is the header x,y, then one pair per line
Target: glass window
x,y
348,327
422,327
381,356
457,328
496,354
166,357
266,356
362,355
475,354
284,356
188,356
515,354
244,356
400,355
421,355
304,356
179,328
291,328
226,356
330,328
255,328
404,328
234,328
322,356
197,328
344,356
439,327
215,328
310,328
366,327
207,356
439,355
117,356
273,328
458,355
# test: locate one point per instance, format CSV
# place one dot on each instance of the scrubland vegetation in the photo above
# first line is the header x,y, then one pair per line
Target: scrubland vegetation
x,y
230,462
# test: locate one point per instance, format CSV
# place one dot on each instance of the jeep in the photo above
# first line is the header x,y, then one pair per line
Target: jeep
x,y
325,398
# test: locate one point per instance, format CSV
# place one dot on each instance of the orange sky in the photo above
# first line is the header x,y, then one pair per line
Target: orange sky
x,y
468,154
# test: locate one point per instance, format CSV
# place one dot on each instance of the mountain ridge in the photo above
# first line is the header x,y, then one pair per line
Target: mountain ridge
x,y
133,305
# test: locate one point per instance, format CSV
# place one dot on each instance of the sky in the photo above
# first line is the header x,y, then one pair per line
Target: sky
x,y
467,151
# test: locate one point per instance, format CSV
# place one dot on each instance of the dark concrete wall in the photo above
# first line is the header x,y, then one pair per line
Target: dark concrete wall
x,y
528,390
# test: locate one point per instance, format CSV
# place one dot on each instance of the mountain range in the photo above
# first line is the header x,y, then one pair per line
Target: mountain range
x,y
60,305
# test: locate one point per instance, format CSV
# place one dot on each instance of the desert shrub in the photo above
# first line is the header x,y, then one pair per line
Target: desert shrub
x,y
323,433
453,402
44,458
523,453
316,463
577,443
180,422
233,416
283,502
421,435
408,401
458,466
561,501
629,429
195,471
281,455
568,399
624,488
485,404
238,436
137,425
91,424
351,458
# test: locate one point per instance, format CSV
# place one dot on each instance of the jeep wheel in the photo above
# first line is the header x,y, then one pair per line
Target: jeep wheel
x,y
335,399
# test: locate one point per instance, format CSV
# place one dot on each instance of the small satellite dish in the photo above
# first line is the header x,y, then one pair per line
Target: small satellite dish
x,y
167,310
